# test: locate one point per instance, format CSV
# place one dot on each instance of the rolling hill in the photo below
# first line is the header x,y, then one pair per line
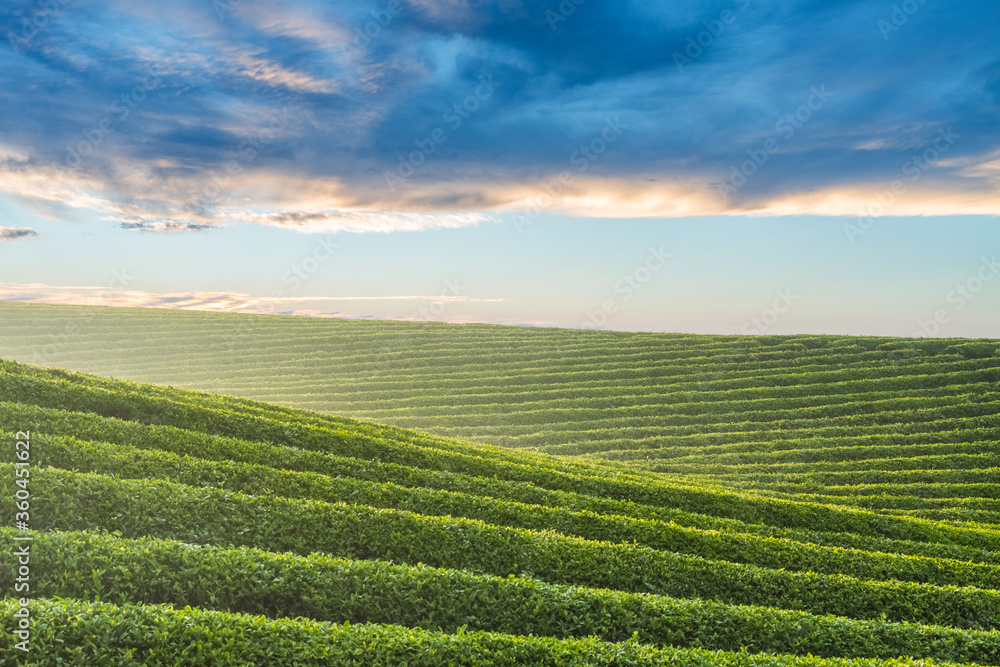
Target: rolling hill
x,y
652,400
818,500
260,517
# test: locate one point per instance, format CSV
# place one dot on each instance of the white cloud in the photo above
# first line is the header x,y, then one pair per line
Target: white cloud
x,y
317,222
160,196
215,301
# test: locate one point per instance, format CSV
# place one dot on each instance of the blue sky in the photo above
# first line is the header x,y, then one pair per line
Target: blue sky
x,y
710,167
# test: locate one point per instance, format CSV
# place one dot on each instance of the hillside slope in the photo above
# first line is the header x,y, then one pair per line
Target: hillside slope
x,y
174,527
897,425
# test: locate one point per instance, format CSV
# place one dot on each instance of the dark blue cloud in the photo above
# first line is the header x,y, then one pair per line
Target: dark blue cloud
x,y
514,87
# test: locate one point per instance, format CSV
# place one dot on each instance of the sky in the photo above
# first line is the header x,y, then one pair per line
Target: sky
x,y
710,167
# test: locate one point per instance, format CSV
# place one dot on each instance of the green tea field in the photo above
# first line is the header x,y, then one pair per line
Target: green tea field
x,y
670,402
716,500
173,527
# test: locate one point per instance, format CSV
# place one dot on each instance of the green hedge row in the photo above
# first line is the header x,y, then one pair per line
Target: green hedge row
x,y
833,454
201,515
85,565
233,400
615,447
568,394
709,416
685,407
984,490
885,462
93,633
706,403
169,438
669,358
888,503
985,506
129,462
220,448
958,514
883,474
979,415
633,441
702,383
134,406
150,404
774,374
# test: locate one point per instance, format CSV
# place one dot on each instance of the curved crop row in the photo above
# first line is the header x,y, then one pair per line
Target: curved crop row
x,y
139,508
323,588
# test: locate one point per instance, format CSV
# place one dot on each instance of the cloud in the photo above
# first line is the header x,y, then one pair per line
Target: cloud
x,y
163,226
138,196
317,222
345,116
236,302
14,233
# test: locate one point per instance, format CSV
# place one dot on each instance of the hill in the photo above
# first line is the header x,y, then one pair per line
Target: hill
x,y
659,401
174,527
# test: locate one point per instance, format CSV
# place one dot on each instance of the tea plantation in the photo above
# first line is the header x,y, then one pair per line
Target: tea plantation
x,y
805,500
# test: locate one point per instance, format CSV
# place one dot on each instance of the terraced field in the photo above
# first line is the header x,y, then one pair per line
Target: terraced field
x,y
174,527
